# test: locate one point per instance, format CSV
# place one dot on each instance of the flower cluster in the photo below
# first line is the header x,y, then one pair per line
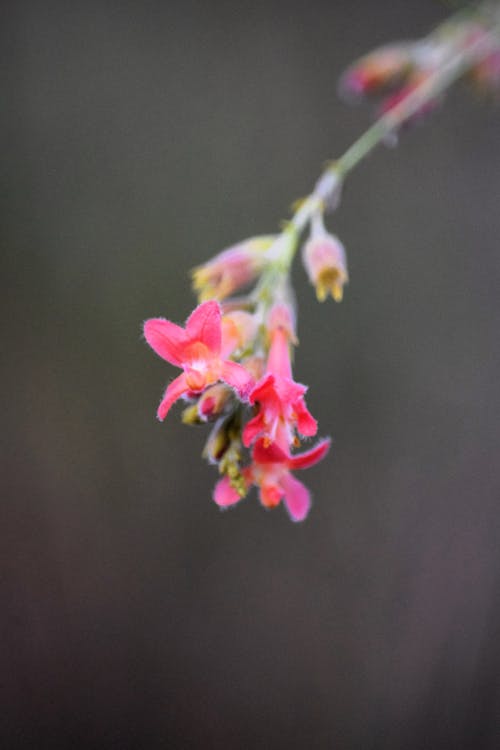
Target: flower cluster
x,y
235,353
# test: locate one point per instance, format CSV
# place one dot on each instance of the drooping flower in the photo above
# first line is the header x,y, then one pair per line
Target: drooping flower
x,y
197,350
282,409
270,471
231,269
325,262
280,400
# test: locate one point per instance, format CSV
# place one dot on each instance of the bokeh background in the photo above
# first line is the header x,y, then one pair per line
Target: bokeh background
x,y
139,139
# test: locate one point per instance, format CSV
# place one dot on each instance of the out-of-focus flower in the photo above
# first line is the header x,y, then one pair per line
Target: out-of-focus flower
x,y
231,269
255,365
325,262
396,71
377,71
238,331
270,471
197,350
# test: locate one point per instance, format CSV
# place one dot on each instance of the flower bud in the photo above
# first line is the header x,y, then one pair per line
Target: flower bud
x,y
380,69
325,262
231,269
190,415
218,441
212,401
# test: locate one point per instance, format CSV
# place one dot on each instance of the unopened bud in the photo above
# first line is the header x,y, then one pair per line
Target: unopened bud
x,y
212,402
218,442
231,269
190,415
379,70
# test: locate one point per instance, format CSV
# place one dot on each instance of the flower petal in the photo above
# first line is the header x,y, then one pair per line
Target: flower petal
x,y
264,389
269,454
237,377
175,390
225,495
278,361
306,424
288,390
253,429
204,324
297,498
311,457
167,339
271,494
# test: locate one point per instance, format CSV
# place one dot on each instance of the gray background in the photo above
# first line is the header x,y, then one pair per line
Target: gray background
x,y
138,140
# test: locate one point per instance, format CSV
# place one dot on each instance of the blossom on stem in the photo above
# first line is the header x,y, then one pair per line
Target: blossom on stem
x,y
231,269
197,350
325,262
280,400
270,471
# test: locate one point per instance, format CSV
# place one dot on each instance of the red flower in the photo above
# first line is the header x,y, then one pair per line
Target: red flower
x,y
197,350
271,472
282,408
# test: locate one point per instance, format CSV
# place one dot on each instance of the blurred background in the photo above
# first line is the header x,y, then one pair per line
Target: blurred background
x,y
138,140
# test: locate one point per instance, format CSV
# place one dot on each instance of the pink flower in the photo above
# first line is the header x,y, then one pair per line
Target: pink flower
x,y
197,350
271,472
231,269
282,408
324,260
